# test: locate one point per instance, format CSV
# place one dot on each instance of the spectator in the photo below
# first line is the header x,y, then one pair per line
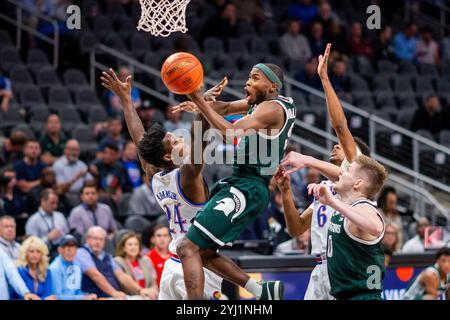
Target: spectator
x,y
13,200
382,47
115,105
250,11
8,237
48,181
33,268
317,41
71,173
405,43
387,256
46,7
309,74
10,277
299,245
138,267
392,237
303,10
356,42
91,213
174,121
132,166
114,135
54,140
294,45
339,78
427,48
336,36
160,253
11,148
431,117
326,17
66,273
147,114
143,201
29,169
47,223
277,223
415,244
5,93
387,202
101,275
259,229
223,26
109,173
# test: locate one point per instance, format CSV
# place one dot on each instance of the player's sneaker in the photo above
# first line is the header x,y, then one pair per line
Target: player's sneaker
x,y
272,290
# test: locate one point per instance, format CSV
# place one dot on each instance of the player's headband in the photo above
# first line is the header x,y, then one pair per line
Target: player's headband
x,y
269,74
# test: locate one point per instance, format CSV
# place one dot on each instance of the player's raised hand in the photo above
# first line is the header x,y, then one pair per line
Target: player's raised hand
x,y
215,91
321,193
322,68
187,106
111,82
282,179
294,160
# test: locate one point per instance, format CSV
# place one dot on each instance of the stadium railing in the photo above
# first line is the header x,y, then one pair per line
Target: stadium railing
x,y
18,22
441,9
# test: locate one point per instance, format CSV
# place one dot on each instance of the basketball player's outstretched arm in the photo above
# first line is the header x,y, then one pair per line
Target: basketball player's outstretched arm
x,y
134,123
297,161
296,224
223,108
363,216
191,178
335,111
267,114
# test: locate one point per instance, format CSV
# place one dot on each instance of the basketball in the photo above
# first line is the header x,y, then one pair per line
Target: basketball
x,y
182,73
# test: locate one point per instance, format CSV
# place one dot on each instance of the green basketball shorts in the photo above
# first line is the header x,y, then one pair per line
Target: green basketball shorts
x,y
235,203
367,296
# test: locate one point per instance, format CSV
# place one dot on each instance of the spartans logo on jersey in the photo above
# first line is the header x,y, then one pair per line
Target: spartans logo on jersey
x,y
236,204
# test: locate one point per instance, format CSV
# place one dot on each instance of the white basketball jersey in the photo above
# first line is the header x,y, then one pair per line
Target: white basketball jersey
x,y
179,210
319,223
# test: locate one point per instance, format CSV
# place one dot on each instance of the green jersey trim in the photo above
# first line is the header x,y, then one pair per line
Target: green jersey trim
x,y
366,242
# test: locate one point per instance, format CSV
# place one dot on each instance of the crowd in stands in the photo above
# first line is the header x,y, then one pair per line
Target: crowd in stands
x,y
73,210
61,266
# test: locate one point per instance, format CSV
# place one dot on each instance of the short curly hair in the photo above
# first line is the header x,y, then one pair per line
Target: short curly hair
x,y
151,148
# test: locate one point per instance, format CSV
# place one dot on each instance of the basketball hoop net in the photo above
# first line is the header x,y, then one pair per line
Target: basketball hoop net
x,y
162,17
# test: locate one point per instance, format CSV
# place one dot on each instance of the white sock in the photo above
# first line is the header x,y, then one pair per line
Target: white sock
x,y
254,288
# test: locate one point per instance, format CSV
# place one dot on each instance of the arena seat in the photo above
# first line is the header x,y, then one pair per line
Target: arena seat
x,y
36,60
10,58
74,79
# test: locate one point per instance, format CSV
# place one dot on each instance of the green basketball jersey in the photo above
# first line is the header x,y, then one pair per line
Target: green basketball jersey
x,y
416,290
258,155
355,266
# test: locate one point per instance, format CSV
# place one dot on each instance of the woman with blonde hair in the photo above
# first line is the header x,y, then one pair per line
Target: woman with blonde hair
x,y
133,263
33,267
392,237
